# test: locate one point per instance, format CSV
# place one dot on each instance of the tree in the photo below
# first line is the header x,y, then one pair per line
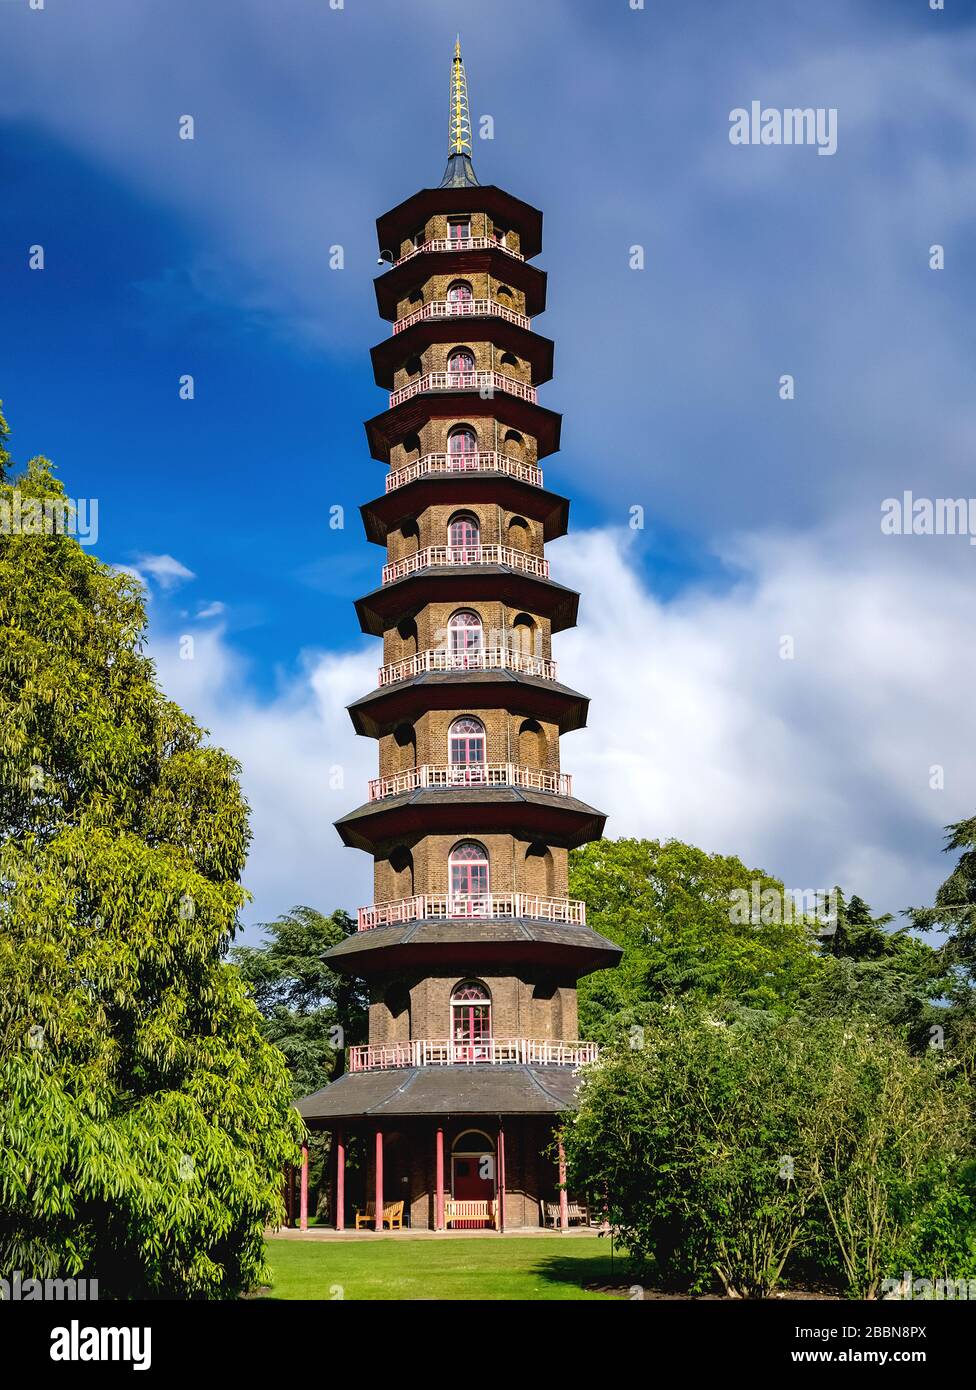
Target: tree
x,y
310,1012
954,911
736,1148
671,907
857,934
869,972
144,1119
954,915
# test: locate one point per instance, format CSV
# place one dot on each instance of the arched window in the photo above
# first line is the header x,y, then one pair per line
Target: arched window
x,y
469,874
459,294
462,442
461,362
532,744
398,1004
405,742
524,635
509,359
465,638
401,863
407,633
410,536
514,443
471,1021
518,533
466,750
463,532
539,871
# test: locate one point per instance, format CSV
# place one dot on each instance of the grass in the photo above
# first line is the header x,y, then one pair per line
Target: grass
x,y
450,1270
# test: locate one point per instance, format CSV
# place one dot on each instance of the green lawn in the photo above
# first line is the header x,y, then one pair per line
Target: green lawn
x,y
509,1268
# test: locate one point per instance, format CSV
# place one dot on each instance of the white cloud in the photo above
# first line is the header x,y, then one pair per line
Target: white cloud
x,y
167,571
817,768
212,610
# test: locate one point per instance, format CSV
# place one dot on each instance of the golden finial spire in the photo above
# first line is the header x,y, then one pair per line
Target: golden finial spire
x,y
459,172
460,132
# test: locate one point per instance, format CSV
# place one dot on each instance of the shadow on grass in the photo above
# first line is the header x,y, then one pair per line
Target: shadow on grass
x,y
593,1272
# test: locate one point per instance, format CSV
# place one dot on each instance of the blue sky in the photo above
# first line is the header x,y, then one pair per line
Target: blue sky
x,y
211,257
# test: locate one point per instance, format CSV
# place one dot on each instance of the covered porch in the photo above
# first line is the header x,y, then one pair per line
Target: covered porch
x,y
488,1173
442,1148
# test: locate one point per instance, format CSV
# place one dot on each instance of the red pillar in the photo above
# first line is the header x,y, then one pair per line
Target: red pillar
x,y
439,1163
501,1177
563,1194
378,1192
340,1207
303,1200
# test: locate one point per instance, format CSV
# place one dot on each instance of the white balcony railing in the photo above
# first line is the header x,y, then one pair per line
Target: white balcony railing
x,y
483,906
460,309
433,555
461,775
486,461
466,243
485,382
485,659
442,1052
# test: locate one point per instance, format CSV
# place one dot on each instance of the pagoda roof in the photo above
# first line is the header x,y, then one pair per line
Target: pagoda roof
x,y
388,705
389,355
401,222
392,425
486,485
559,820
443,1091
400,279
382,607
474,942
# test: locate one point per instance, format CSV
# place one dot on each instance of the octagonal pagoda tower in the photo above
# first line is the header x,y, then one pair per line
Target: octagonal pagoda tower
x,y
472,949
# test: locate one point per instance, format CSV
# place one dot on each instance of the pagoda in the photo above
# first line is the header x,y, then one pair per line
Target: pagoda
x,y
472,949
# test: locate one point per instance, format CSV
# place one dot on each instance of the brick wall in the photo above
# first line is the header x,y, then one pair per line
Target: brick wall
x,y
498,619
507,863
433,435
534,1004
496,526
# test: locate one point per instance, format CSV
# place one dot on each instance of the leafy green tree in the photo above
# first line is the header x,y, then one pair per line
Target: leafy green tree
x,y
671,907
857,934
144,1119
954,914
870,972
736,1149
310,1012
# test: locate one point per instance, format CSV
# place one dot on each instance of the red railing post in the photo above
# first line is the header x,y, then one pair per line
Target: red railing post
x,y
340,1206
303,1201
563,1194
439,1165
378,1183
501,1177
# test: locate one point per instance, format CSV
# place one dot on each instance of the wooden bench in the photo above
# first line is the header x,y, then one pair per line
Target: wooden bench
x,y
463,1213
392,1216
575,1211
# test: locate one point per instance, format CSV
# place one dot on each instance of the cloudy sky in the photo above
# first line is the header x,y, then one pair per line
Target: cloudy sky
x,y
762,515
